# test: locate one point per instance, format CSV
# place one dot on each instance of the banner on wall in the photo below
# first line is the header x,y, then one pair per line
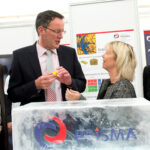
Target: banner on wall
x,y
90,48
147,46
90,34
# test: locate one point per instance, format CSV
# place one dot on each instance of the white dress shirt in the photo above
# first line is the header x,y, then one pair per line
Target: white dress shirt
x,y
43,64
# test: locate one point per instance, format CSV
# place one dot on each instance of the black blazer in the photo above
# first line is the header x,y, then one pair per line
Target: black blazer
x,y
1,92
146,82
4,133
26,68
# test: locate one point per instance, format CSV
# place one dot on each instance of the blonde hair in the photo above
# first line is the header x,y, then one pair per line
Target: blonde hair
x,y
125,59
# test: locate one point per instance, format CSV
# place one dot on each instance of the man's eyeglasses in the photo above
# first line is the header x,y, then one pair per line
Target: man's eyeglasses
x,y
56,31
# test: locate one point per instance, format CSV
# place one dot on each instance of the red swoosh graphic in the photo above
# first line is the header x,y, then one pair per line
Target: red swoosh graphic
x,y
61,136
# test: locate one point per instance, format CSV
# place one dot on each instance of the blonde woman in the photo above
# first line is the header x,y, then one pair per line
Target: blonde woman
x,y
119,60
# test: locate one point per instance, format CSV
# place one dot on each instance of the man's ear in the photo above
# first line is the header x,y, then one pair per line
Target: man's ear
x,y
41,30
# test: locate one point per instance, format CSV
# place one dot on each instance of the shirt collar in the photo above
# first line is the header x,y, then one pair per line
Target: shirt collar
x,y
41,50
54,51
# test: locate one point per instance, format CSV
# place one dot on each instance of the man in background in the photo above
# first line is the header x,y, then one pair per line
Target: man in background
x,y
30,80
1,94
3,123
146,82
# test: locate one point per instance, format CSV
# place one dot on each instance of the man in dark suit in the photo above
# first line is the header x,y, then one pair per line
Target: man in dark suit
x,y
29,80
146,82
3,123
1,93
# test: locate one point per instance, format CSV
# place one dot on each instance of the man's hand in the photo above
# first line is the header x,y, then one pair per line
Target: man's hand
x,y
9,126
45,81
63,76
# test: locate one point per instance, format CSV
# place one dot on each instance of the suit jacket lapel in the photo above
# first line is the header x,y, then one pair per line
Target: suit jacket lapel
x,y
60,56
34,61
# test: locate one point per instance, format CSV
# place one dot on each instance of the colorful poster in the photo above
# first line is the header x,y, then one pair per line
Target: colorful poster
x,y
147,46
86,44
93,85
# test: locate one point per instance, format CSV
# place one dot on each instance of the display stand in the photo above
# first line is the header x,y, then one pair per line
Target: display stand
x,y
95,23
84,125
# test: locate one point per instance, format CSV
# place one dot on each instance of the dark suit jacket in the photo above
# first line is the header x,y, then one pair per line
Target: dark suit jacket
x,y
4,134
26,68
146,82
1,91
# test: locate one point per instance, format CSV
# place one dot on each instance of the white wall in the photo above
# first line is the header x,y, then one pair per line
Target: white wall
x,y
20,16
30,7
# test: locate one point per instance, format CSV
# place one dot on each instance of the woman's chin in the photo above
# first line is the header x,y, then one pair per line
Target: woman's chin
x,y
103,67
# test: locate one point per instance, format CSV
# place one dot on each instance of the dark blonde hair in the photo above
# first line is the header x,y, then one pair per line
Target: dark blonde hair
x,y
125,59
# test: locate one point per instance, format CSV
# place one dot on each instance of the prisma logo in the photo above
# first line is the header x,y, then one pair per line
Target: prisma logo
x,y
41,129
148,38
55,125
116,36
105,135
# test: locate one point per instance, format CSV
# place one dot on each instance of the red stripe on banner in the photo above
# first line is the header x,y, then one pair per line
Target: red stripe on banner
x,y
107,32
65,44
146,32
